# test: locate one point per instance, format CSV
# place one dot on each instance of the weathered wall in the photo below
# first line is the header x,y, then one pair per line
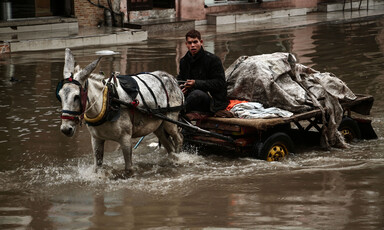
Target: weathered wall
x,y
307,3
291,3
88,14
144,15
190,9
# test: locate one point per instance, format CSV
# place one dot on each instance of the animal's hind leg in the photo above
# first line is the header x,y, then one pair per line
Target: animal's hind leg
x,y
173,131
164,138
126,147
98,152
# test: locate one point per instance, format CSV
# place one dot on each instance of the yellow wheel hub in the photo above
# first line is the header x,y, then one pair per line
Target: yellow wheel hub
x,y
277,152
348,135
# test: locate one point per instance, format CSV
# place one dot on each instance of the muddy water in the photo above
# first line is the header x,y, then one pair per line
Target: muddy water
x,y
46,179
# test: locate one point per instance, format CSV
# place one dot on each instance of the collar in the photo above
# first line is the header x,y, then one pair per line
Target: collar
x,y
197,56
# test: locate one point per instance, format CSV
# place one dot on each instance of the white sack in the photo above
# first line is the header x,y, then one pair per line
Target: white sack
x,y
276,80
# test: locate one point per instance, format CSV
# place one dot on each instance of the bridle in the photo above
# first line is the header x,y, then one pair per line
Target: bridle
x,y
76,116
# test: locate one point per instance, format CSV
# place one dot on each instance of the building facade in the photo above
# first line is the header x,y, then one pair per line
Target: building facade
x,y
117,12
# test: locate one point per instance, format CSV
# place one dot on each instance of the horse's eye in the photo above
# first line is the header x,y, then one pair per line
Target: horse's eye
x,y
77,97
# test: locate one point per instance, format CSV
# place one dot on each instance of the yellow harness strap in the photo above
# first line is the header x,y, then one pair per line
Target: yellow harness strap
x,y
103,109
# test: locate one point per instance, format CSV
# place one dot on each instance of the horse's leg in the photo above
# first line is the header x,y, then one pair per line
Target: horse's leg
x,y
98,152
164,138
126,147
173,131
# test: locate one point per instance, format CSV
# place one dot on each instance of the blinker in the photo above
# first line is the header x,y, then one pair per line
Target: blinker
x,y
61,84
83,91
58,88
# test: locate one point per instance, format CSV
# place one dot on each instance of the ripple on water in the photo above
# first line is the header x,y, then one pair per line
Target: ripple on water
x,y
10,217
156,172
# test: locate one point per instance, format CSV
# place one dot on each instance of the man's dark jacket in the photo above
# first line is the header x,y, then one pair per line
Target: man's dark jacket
x,y
208,72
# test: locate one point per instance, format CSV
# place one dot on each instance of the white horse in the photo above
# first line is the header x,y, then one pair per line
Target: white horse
x,y
84,94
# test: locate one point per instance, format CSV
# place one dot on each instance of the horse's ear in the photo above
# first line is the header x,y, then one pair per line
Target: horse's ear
x,y
77,69
69,65
88,69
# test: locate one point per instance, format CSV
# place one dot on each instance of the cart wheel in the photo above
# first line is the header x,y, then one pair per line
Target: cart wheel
x,y
275,148
349,129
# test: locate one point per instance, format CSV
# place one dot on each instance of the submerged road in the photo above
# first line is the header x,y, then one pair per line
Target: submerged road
x,y
47,182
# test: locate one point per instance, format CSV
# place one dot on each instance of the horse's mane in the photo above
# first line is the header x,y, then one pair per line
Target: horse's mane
x,y
97,77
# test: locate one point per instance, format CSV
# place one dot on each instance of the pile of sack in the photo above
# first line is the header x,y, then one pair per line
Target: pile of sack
x,y
277,80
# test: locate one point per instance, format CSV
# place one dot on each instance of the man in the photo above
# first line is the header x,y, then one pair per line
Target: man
x,y
203,76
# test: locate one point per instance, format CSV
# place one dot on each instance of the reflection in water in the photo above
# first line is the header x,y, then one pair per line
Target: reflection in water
x,y
47,180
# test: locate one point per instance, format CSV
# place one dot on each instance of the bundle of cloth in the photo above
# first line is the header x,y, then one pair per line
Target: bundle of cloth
x,y
277,81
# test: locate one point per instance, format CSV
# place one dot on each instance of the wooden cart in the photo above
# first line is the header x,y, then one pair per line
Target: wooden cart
x,y
273,139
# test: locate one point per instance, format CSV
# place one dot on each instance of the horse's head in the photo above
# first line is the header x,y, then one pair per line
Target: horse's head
x,y
72,93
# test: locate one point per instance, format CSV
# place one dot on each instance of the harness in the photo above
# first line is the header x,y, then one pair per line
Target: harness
x,y
157,108
110,110
76,116
111,103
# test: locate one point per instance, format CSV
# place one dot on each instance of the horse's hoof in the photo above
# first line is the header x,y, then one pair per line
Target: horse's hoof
x,y
128,173
173,156
122,174
96,169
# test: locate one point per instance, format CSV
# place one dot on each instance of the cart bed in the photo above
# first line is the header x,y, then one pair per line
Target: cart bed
x,y
246,132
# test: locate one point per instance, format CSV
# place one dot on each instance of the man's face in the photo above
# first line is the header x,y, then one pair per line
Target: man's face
x,y
194,45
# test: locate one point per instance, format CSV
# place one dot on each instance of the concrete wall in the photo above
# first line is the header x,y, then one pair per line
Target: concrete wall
x,y
195,9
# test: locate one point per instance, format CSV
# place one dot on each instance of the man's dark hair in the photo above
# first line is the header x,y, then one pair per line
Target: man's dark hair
x,y
193,34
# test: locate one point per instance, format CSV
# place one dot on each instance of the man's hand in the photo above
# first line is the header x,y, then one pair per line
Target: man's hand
x,y
187,85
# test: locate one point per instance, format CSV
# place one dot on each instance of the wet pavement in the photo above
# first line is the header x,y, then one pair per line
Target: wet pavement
x,y
47,182
64,35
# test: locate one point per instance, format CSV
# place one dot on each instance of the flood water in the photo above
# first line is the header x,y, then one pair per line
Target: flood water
x,y
47,182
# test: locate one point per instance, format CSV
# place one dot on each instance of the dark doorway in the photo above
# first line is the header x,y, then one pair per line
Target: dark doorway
x,y
62,7
139,5
40,8
164,3
23,8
